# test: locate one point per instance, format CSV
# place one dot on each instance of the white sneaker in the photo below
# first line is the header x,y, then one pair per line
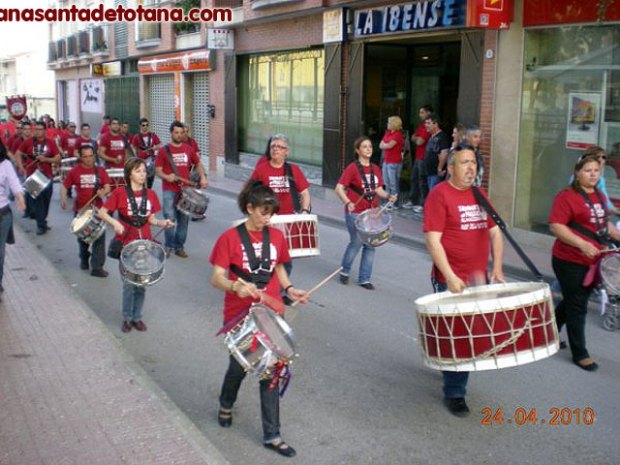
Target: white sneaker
x,y
418,209
408,205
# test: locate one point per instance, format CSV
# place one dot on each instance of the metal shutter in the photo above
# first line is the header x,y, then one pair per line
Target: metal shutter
x,y
161,99
200,114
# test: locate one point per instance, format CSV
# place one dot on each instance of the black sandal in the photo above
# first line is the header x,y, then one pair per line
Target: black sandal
x,y
224,417
281,448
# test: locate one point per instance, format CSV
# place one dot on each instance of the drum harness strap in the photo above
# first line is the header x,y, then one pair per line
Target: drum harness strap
x,y
260,274
148,145
37,149
369,188
602,234
500,222
293,187
138,217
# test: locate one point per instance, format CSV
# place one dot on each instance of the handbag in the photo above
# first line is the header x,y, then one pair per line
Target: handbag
x,y
114,249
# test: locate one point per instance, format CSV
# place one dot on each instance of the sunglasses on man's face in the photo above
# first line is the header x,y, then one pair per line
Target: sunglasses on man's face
x,y
144,124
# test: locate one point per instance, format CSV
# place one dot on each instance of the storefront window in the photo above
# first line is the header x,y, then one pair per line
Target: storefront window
x,y
283,93
571,100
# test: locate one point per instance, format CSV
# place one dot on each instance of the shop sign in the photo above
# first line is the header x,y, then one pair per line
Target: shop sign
x,y
113,68
490,14
334,26
220,39
412,16
197,60
584,115
546,12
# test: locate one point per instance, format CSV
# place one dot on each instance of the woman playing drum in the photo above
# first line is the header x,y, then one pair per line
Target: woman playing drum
x,y
136,205
230,262
579,220
360,178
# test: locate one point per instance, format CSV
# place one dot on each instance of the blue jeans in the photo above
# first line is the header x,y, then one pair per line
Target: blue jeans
x,y
391,177
6,221
175,237
454,382
133,301
269,400
354,246
433,180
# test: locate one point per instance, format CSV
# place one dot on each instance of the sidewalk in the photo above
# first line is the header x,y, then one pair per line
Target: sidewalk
x,y
69,393
407,230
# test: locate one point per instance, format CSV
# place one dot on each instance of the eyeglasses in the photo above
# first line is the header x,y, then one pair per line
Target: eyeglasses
x,y
144,124
278,147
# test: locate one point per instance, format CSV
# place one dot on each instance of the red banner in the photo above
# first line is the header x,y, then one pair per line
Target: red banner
x,y
17,106
543,12
490,14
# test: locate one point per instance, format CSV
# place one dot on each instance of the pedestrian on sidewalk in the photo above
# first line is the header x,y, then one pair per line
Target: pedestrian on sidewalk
x,y
145,145
418,184
392,146
579,220
89,180
287,181
360,178
136,205
173,165
236,255
459,246
9,184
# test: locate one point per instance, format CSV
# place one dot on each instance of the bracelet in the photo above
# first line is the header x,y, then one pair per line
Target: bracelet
x,y
305,210
287,288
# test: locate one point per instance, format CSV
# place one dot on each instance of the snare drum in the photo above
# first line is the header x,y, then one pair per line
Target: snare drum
x,y
487,327
142,262
260,340
66,165
374,227
301,232
117,176
192,202
36,183
150,166
88,227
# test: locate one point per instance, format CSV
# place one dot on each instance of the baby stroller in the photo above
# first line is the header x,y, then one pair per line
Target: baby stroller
x,y
610,291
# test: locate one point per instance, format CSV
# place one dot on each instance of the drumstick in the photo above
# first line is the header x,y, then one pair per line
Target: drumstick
x,y
272,302
85,207
315,288
388,204
609,249
158,232
184,180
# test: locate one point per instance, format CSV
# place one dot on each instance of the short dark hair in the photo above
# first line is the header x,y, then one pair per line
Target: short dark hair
x,y
115,119
176,124
40,124
359,141
434,117
427,108
143,120
258,195
130,165
85,147
85,125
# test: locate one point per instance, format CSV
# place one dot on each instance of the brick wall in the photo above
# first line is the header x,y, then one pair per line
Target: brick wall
x,y
487,101
216,97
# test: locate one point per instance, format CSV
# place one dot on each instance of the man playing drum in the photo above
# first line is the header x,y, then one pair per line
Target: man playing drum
x,y
173,164
112,148
40,153
145,145
240,253
458,236
287,181
89,180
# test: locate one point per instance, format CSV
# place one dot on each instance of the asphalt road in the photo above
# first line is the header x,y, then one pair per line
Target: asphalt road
x,y
360,393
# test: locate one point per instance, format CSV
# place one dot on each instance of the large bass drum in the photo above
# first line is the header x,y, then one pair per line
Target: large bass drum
x,y
142,262
487,327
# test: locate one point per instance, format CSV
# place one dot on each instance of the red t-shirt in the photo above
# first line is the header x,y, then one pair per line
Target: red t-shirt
x,y
84,181
118,201
464,226
115,147
184,158
85,142
395,154
15,142
105,129
351,178
52,133
277,179
424,134
143,142
228,250
192,143
570,206
68,142
46,147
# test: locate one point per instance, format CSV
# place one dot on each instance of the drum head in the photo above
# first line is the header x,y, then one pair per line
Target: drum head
x,y
374,227
610,273
276,329
143,257
80,221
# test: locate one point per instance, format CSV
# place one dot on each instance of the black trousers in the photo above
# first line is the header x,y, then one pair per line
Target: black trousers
x,y
573,308
41,206
269,400
97,258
